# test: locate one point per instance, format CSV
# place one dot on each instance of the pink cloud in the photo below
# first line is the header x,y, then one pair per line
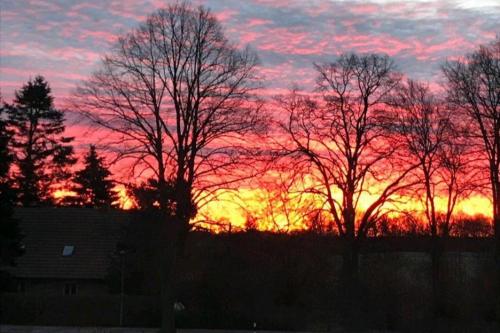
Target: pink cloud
x,y
274,3
226,15
363,9
249,37
43,53
100,35
379,44
253,22
27,73
285,41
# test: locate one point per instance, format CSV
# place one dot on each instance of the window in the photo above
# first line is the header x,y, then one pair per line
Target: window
x,y
68,250
70,289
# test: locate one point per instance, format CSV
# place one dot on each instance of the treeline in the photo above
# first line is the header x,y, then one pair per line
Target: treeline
x,y
404,225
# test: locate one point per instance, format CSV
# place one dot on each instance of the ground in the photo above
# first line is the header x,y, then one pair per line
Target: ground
x,y
55,329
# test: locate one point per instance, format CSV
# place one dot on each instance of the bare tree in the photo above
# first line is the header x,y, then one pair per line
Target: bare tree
x,y
435,140
424,126
456,173
473,86
178,98
344,148
432,140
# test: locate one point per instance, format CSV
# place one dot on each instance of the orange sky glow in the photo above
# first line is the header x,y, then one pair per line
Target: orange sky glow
x,y
228,209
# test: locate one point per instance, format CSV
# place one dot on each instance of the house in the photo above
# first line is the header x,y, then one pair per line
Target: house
x,y
68,251
70,272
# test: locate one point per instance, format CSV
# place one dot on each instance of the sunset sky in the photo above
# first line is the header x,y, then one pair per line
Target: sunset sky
x,y
64,40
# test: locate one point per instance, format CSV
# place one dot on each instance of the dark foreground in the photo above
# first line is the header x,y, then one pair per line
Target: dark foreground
x,y
67,329
284,283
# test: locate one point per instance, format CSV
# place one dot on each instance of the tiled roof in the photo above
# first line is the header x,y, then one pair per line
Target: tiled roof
x,y
93,233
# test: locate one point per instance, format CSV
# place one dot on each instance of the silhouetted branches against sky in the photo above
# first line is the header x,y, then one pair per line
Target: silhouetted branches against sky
x,y
340,141
473,87
433,139
181,98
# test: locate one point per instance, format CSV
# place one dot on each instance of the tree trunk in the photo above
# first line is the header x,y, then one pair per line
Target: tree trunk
x,y
171,251
496,225
175,233
350,259
350,281
437,295
496,229
350,264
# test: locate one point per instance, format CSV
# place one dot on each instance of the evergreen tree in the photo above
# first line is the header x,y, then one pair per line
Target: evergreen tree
x,y
94,186
42,154
10,235
147,195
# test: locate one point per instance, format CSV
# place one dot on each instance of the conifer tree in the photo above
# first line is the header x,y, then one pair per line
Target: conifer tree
x,y
147,197
94,187
10,235
41,154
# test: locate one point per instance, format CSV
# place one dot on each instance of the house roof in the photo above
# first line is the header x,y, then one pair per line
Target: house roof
x,y
93,234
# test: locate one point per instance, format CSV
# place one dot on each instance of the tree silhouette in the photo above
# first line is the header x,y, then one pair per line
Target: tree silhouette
x,y
433,140
41,155
473,87
147,197
424,126
10,235
94,188
178,97
344,148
